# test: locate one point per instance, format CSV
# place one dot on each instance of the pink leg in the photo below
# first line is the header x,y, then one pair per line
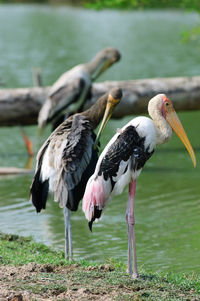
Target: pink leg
x,y
131,233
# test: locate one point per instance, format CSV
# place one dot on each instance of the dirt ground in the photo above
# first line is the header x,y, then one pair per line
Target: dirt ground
x,y
47,282
37,282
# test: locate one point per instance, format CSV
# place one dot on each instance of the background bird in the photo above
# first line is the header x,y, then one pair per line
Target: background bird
x,y
71,90
122,160
68,158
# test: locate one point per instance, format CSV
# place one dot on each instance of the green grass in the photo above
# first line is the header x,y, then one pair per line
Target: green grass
x,y
22,250
53,275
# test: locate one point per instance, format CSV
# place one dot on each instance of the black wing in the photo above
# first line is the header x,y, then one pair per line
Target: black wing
x,y
78,150
78,160
127,145
39,190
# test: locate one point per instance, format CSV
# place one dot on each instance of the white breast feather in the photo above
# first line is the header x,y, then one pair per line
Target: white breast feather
x,y
51,170
122,179
145,128
47,171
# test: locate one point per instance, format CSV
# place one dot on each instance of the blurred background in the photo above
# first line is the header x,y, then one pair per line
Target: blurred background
x,y
155,39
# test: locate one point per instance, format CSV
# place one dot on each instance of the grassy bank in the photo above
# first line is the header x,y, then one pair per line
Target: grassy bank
x,y
32,271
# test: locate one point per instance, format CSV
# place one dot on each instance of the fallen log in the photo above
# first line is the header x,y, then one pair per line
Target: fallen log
x,y
21,106
183,91
14,171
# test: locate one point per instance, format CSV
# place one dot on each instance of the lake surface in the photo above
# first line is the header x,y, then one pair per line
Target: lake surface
x,y
168,191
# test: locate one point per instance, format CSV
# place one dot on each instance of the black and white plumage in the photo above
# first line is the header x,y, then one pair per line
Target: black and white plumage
x,y
70,91
68,158
123,158
129,148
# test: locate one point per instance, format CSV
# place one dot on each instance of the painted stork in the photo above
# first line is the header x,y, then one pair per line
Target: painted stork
x,y
123,158
68,158
71,90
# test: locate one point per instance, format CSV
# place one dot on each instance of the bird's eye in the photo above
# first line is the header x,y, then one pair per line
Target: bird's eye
x,y
167,104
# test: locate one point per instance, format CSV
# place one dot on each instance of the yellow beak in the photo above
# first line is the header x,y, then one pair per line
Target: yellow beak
x,y
114,98
176,125
108,113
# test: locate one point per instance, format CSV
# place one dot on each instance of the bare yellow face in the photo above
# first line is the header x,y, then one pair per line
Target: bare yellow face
x,y
171,117
113,101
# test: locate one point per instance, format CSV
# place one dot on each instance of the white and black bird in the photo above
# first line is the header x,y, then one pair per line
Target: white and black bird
x,y
123,158
68,158
70,91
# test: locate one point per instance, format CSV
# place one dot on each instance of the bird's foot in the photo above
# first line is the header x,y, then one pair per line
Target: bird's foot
x,y
135,276
68,257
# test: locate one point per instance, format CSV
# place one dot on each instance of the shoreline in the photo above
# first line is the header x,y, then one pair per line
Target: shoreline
x,y
33,271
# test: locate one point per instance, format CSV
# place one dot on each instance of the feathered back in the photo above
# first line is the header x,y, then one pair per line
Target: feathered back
x,y
76,156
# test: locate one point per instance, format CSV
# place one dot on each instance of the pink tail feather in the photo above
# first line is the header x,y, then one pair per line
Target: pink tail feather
x,y
97,193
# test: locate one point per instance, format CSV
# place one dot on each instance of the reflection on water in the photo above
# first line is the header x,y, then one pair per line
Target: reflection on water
x,y
168,194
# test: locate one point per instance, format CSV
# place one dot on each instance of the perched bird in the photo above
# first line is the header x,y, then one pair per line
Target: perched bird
x,y
71,90
122,160
68,158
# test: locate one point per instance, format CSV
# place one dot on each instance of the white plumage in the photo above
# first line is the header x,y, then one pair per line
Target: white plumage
x,y
145,128
123,159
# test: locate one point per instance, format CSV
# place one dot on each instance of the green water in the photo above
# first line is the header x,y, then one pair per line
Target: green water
x,y
168,193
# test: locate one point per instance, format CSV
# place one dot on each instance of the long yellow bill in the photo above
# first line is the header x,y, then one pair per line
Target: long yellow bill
x,y
176,125
114,98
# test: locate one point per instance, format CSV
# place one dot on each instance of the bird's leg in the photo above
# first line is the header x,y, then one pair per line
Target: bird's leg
x,y
129,270
28,143
68,234
131,232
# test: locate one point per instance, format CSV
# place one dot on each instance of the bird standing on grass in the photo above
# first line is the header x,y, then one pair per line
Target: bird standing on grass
x,y
70,91
122,160
68,158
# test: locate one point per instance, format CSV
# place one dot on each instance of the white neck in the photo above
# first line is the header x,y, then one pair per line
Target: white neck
x,y
164,130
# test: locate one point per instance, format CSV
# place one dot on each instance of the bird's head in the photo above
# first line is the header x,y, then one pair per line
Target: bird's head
x,y
163,106
103,60
113,98
112,55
